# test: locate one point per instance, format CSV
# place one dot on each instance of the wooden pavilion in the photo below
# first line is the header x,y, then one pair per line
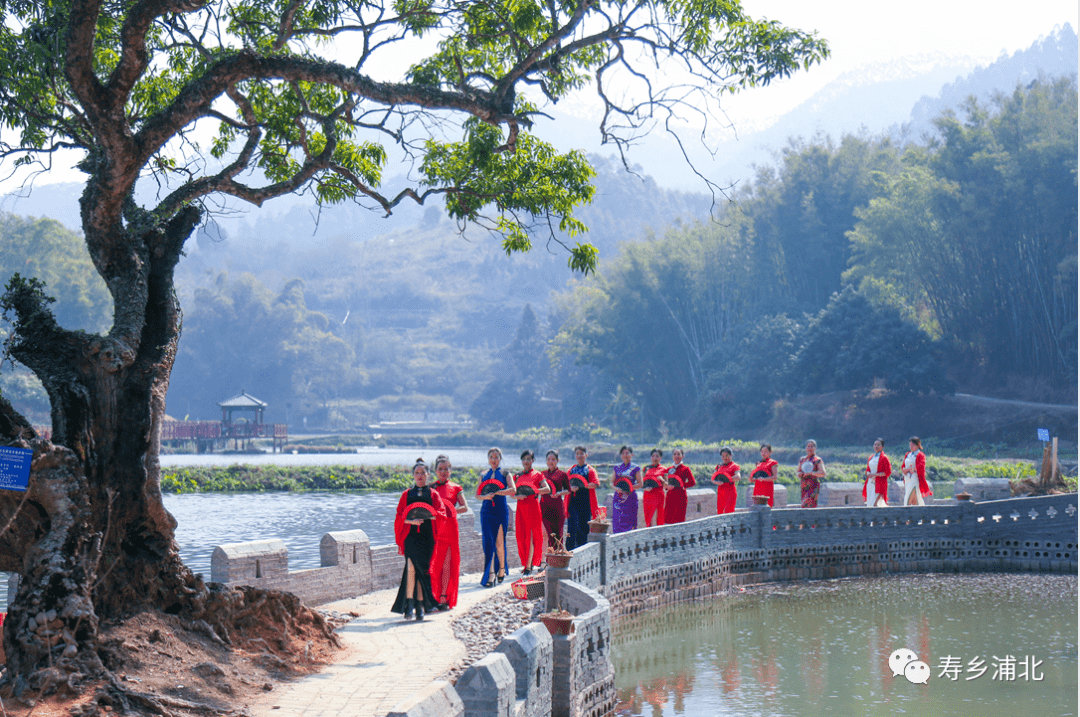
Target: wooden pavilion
x,y
208,435
243,430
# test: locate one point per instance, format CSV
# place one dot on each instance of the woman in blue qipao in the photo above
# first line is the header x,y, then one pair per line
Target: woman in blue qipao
x,y
494,517
624,504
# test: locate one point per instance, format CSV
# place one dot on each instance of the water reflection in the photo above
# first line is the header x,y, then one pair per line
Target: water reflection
x,y
824,647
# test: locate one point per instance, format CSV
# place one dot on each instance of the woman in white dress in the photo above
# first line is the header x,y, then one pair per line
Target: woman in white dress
x,y
876,487
914,470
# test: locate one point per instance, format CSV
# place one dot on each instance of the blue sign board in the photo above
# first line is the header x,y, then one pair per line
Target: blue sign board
x,y
1044,434
15,467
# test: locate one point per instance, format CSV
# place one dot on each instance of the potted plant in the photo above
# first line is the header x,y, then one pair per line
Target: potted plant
x,y
558,622
558,556
600,523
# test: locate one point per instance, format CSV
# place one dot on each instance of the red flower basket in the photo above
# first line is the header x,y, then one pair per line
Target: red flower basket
x,y
530,588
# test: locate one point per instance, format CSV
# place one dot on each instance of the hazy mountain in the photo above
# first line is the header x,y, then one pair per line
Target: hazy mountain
x,y
1052,55
53,201
274,246
873,98
876,98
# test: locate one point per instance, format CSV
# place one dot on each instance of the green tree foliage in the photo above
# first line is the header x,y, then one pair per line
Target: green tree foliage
x,y
965,245
854,344
45,249
744,376
797,215
654,312
243,337
259,73
980,228
851,344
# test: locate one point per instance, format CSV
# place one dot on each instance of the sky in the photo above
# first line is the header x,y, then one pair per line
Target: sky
x,y
859,33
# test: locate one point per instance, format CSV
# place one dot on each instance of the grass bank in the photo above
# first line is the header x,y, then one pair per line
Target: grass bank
x,y
260,479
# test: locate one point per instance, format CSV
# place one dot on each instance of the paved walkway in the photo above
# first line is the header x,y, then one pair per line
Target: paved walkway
x,y
385,659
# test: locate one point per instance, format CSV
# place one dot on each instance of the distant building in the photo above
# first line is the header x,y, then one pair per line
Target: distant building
x,y
420,423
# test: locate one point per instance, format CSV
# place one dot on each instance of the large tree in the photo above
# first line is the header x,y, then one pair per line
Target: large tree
x,y
287,90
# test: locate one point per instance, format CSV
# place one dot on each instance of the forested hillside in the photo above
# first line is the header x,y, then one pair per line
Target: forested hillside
x,y
853,265
55,255
847,264
413,319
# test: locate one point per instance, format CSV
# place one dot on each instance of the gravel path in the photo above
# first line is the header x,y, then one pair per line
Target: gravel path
x,y
482,627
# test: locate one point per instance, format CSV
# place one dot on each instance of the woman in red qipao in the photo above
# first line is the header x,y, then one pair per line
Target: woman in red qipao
x,y
764,474
726,476
913,468
528,523
653,497
878,470
553,505
446,563
415,539
675,500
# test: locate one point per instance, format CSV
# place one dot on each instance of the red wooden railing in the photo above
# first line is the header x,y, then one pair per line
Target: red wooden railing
x,y
209,431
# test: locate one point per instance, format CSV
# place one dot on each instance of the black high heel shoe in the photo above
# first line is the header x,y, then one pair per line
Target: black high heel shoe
x,y
419,610
409,608
499,579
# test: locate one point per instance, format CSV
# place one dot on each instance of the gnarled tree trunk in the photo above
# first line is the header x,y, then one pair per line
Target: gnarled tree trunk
x,y
92,538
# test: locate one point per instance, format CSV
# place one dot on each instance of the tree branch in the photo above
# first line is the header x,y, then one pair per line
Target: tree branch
x,y
285,27
79,58
195,100
133,55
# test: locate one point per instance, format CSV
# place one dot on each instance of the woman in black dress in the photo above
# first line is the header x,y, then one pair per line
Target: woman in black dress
x,y
415,530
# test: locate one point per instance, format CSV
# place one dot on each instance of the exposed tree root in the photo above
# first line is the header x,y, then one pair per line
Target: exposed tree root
x,y
271,632
126,700
1032,486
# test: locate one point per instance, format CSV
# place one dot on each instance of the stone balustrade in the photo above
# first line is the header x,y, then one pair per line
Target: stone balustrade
x,y
584,677
349,564
516,680
644,568
701,502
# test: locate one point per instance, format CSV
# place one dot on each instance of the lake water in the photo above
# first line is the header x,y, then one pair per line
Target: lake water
x,y
206,520
823,648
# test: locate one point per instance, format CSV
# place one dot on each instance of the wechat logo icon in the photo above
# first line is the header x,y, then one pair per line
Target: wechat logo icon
x,y
905,662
